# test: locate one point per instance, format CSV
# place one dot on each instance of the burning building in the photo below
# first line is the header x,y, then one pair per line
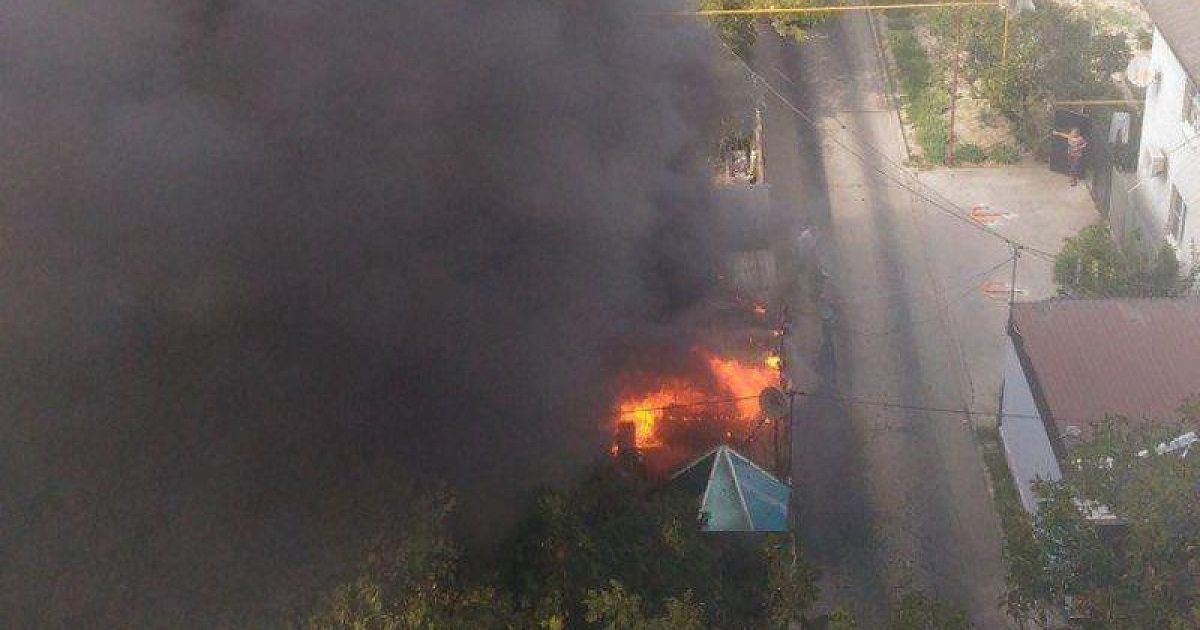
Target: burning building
x,y
670,418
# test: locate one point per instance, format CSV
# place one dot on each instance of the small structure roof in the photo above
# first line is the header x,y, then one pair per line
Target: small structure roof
x,y
1139,358
1179,23
735,494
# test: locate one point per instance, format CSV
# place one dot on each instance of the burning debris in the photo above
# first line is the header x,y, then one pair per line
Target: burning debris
x,y
674,417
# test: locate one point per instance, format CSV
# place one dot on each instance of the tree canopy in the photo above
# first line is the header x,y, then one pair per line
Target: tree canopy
x,y
609,552
737,31
1091,265
1138,568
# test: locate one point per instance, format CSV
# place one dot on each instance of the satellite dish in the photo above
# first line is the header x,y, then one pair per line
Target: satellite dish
x,y
1140,72
773,403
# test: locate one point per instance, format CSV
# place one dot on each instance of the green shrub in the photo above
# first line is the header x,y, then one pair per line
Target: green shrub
x,y
900,20
970,153
1091,265
1145,39
913,63
930,106
933,143
928,114
1004,153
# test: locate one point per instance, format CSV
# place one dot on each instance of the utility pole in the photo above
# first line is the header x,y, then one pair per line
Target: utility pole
x,y
791,431
957,57
784,327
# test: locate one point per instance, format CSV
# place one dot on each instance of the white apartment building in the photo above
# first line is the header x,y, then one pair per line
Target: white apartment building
x,y
1167,194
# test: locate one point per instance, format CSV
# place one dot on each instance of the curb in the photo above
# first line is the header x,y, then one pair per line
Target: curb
x,y
891,90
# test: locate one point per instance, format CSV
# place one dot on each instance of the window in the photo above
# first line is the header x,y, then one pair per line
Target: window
x,y
1191,104
1178,216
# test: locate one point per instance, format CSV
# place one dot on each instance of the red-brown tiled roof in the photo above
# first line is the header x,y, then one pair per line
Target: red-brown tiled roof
x,y
1139,358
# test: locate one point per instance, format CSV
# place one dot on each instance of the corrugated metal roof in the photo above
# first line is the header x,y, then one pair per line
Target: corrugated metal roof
x,y
1090,358
1179,23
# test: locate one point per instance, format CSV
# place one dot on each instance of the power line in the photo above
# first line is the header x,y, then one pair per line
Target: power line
x,y
895,328
712,402
853,400
964,282
954,210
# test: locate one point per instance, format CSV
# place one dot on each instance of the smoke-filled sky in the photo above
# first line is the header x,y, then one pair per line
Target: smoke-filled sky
x,y
263,262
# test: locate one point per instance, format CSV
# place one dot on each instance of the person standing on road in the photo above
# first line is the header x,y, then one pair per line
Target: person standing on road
x,y
1076,143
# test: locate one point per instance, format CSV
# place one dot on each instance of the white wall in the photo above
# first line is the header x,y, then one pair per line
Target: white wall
x,y
1163,127
1026,445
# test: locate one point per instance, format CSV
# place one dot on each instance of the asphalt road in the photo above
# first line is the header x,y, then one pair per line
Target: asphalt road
x,y
887,499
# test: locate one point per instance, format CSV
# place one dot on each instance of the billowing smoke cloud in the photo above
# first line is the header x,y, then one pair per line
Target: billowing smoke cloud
x,y
263,262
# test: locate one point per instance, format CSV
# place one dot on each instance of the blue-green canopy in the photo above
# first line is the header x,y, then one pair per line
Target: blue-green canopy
x,y
735,494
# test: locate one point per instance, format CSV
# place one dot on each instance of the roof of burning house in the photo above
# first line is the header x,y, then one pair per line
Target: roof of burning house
x,y
1179,23
1088,359
736,495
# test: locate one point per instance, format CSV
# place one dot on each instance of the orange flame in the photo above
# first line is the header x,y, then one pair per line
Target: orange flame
x,y
740,380
647,410
733,379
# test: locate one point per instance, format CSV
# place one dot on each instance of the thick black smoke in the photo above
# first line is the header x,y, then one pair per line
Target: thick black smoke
x,y
263,262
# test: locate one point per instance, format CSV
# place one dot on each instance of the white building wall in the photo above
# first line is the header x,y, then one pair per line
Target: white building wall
x,y
1163,128
1026,445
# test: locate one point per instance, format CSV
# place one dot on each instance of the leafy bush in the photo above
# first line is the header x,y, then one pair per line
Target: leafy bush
x,y
914,66
928,114
1051,51
970,153
737,31
900,20
1091,265
1004,153
1145,39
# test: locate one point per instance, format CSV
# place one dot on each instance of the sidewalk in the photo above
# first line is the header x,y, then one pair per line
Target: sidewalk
x,y
1029,204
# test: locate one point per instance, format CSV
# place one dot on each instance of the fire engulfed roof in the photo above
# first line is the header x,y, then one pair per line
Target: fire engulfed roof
x,y
1139,358
738,496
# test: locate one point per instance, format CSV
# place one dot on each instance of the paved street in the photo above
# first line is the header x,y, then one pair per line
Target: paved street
x,y
889,498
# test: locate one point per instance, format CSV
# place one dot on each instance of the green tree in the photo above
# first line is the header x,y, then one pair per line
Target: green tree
x,y
737,31
1091,265
1143,572
610,551
841,619
791,582
1052,52
408,581
357,605
615,608
918,611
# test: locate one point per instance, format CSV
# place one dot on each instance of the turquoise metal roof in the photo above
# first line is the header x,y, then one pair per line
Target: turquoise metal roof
x,y
738,496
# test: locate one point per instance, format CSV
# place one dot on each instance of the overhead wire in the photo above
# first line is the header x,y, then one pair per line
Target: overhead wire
x,y
922,191
945,205
967,288
853,400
